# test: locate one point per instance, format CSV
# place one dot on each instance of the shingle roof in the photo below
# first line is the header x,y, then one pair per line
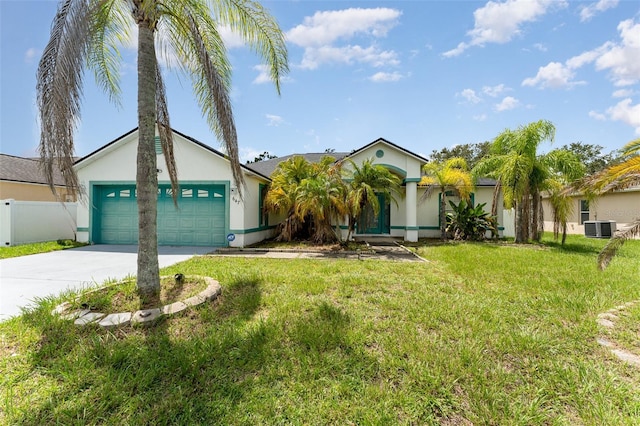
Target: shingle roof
x,y
19,169
266,167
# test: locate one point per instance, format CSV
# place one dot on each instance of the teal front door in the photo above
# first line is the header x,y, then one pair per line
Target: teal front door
x,y
198,220
371,222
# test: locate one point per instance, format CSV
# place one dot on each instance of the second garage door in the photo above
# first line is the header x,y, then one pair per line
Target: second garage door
x,y
198,220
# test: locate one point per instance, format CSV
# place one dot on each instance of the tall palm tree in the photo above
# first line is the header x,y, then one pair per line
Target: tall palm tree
x,y
365,183
514,163
615,178
85,33
452,175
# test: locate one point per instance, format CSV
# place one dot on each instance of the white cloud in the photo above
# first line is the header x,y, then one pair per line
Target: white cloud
x,y
621,59
383,77
627,113
320,36
541,47
500,22
249,154
554,76
470,96
30,55
274,120
494,91
372,55
622,93
591,10
598,116
507,104
481,117
326,27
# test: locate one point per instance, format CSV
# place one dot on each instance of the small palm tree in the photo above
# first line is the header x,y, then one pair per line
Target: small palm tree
x,y
86,33
563,169
282,195
366,182
615,178
308,193
452,175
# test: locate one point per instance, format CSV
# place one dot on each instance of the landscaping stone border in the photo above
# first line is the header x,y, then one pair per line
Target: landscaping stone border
x,y
143,317
608,320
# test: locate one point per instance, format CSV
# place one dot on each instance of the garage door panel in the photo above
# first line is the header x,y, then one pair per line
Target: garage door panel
x,y
198,220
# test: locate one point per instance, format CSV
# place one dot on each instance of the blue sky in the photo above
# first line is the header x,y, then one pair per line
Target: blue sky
x,y
422,74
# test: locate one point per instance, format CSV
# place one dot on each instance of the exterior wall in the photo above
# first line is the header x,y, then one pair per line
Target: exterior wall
x,y
250,230
622,207
404,221
23,222
116,164
23,191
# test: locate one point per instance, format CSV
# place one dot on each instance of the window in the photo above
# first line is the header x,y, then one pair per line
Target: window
x,y
264,216
584,211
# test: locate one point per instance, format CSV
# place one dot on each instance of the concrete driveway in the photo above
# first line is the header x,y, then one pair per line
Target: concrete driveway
x,y
24,278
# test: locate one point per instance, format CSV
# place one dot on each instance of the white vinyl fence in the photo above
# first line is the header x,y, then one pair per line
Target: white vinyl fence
x,y
23,222
508,217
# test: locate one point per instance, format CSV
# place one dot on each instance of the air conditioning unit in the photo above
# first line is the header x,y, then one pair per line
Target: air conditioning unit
x,y
599,228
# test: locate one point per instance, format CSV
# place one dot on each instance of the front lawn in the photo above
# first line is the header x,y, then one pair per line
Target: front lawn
x,y
482,334
35,248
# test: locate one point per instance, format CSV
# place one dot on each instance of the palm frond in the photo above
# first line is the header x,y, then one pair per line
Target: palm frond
x,y
166,135
211,81
59,89
259,30
110,26
609,251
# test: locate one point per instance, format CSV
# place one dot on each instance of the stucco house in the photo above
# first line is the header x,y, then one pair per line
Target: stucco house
x,y
622,207
21,179
211,212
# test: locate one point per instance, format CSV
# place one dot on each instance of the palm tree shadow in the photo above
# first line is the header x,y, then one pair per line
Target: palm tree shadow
x,y
139,363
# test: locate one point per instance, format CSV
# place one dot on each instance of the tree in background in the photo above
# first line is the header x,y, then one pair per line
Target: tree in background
x,y
471,152
365,183
86,33
452,175
591,156
615,178
266,155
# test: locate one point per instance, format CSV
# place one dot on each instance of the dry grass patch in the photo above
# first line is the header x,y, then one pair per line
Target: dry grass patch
x,y
122,296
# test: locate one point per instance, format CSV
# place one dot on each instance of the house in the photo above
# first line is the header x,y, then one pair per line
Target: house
x,y
22,179
622,207
211,212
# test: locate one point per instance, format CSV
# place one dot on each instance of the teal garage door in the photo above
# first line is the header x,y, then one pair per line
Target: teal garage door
x,y
198,220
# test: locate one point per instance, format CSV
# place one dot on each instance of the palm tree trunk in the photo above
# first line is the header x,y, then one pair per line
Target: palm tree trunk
x,y
443,218
537,219
147,177
521,224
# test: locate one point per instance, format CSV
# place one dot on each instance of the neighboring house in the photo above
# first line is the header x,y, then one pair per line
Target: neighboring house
x,y
622,207
210,211
22,179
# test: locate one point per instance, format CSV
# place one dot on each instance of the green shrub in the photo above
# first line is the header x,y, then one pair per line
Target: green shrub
x,y
470,223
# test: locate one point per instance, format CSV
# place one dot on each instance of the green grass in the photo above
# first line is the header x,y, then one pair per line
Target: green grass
x,y
482,334
35,248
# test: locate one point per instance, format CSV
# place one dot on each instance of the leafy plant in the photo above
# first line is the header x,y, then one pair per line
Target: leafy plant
x,y
467,222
